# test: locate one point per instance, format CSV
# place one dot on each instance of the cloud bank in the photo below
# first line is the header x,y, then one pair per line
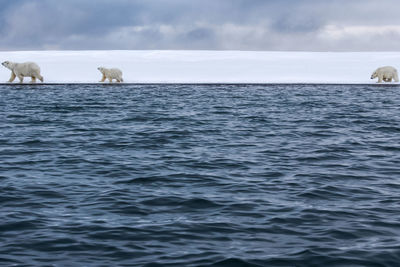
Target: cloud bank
x,y
285,25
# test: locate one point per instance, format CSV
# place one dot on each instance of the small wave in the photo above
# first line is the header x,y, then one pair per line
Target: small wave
x,y
207,175
233,262
19,226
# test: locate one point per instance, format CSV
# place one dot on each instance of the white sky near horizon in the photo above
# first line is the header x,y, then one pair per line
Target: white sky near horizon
x,y
263,25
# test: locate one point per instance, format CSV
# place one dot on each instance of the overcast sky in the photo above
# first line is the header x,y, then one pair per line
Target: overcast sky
x,y
306,25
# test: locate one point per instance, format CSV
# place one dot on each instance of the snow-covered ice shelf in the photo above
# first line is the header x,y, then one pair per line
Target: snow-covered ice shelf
x,y
206,66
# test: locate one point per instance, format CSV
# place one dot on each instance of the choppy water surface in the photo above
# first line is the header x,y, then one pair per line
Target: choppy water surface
x,y
183,175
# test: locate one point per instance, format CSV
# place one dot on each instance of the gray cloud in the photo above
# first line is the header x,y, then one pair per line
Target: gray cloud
x,y
313,25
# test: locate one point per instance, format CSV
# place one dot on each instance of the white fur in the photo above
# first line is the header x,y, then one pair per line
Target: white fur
x,y
21,70
386,74
111,74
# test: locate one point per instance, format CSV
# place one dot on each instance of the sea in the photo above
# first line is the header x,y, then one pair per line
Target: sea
x,y
199,175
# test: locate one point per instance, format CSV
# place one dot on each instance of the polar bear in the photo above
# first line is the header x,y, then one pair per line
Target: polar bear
x,y
21,70
386,74
111,74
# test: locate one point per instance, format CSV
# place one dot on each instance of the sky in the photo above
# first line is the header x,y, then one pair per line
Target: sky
x,y
265,25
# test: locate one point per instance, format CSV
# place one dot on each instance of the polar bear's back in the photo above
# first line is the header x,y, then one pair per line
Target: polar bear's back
x,y
26,68
387,69
114,73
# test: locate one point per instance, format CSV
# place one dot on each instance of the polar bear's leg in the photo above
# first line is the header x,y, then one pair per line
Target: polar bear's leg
x,y
380,78
103,79
396,77
21,78
33,79
110,79
12,78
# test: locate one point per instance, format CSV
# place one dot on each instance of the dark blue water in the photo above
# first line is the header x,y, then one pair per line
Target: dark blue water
x,y
206,175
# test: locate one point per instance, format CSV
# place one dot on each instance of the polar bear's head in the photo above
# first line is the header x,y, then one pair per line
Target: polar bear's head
x,y
8,64
101,69
374,75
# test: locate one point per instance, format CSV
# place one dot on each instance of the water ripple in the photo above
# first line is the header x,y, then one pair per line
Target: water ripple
x,y
200,175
